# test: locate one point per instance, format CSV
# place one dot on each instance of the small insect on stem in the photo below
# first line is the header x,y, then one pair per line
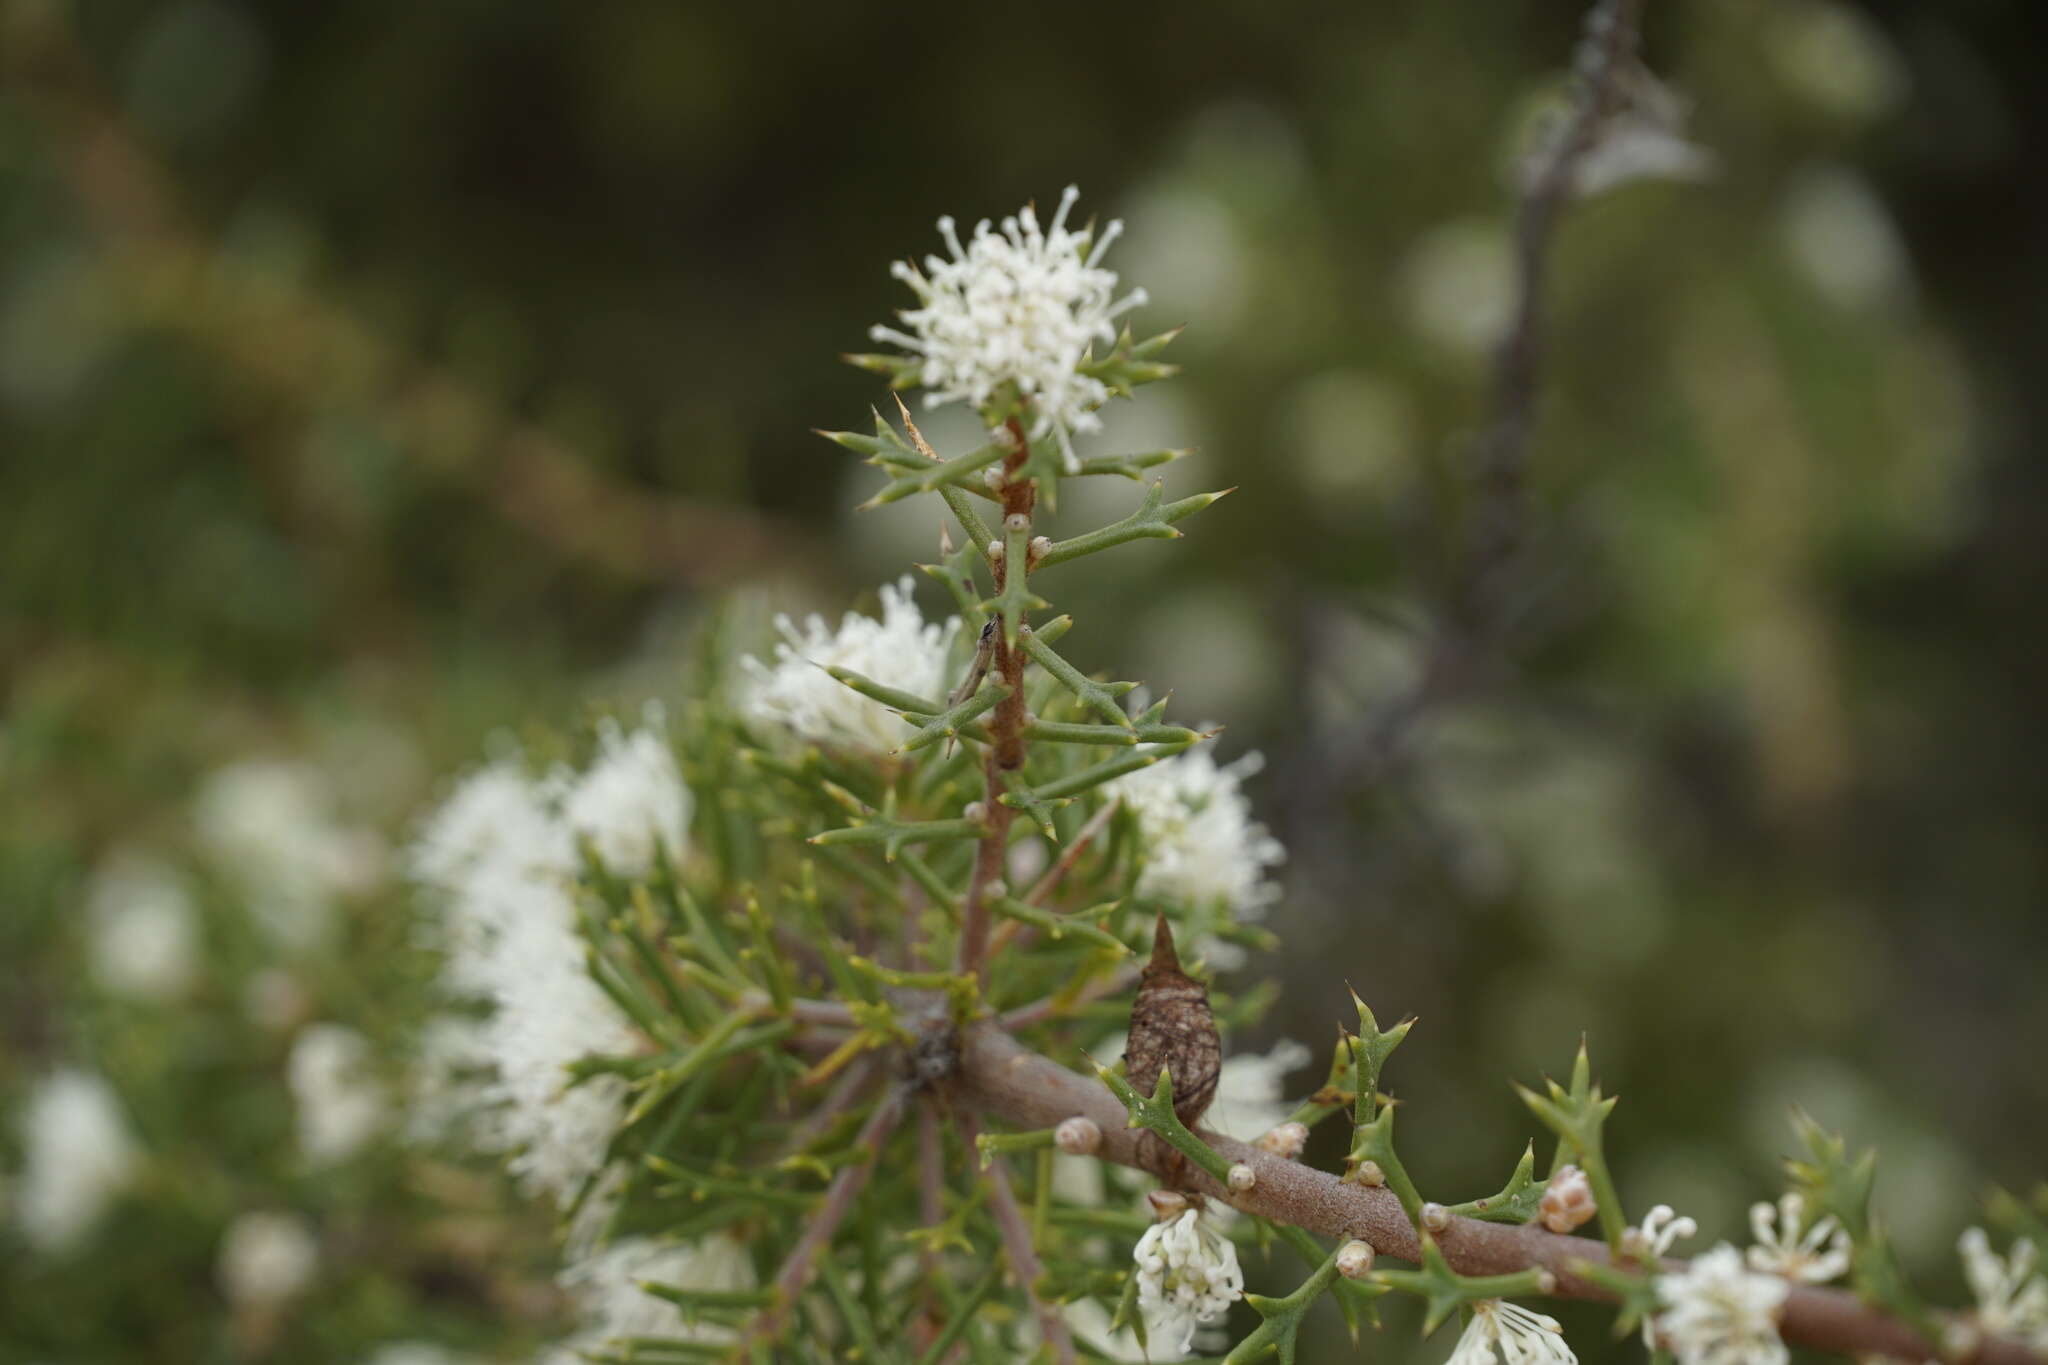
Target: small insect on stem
x,y
984,652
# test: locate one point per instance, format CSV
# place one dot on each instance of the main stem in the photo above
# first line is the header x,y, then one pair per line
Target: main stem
x,y
1005,724
998,1076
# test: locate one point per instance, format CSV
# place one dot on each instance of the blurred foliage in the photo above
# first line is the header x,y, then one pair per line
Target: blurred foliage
x,y
407,371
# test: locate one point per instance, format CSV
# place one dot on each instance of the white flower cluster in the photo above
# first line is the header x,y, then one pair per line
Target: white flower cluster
x,y
1019,307
503,852
1787,1245
900,651
606,1288
1187,1277
1202,847
1251,1090
1717,1313
1511,1334
76,1156
2012,1296
272,826
145,931
341,1106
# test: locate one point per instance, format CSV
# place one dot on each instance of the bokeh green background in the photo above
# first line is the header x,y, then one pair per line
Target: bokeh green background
x,y
377,377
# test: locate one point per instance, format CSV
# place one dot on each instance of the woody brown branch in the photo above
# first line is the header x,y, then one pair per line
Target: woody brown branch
x,y
1006,731
1007,1081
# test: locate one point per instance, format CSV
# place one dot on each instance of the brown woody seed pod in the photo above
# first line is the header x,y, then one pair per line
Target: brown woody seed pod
x,y
1171,1028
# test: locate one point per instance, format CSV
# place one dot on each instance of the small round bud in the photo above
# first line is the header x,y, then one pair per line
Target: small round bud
x,y
975,811
1002,436
1285,1140
1354,1259
1568,1201
1546,1282
1435,1217
1040,545
993,477
1167,1205
1242,1178
1078,1136
1016,521
997,887
995,549
1369,1173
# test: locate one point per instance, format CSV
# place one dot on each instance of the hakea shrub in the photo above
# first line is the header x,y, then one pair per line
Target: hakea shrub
x,y
803,997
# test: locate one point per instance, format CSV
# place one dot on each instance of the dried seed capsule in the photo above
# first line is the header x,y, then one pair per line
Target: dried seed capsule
x,y
1172,1029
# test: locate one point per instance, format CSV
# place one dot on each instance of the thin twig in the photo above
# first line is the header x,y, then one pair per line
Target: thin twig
x,y
1016,1234
1071,854
1052,1006
852,1084
999,1077
838,1202
1489,570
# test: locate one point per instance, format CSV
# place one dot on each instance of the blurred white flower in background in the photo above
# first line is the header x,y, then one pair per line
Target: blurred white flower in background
x,y
145,929
1017,306
1786,1244
2012,1296
606,1289
1354,435
272,827
1202,848
631,802
900,650
340,1103
77,1154
265,1258
414,1353
1839,234
1834,56
1457,285
1251,1090
1717,1313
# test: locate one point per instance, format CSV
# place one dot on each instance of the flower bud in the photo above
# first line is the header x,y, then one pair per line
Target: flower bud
x,y
1435,1217
1546,1280
1241,1178
1040,545
1167,1205
1016,521
1369,1173
1078,1136
975,811
1568,1200
995,549
1354,1260
1285,1140
993,477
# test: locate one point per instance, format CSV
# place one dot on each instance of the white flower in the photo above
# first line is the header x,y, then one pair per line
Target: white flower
x,y
1021,307
271,825
632,801
2012,1297
145,932
266,1258
1187,1277
1717,1313
1511,1334
1202,847
340,1105
501,852
1251,1090
1818,1254
1661,1227
607,1290
76,1155
899,650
